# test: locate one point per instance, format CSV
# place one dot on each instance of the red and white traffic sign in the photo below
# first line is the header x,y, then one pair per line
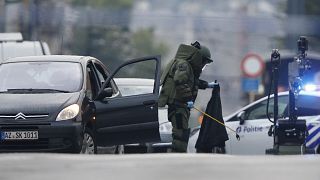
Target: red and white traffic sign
x,y
252,65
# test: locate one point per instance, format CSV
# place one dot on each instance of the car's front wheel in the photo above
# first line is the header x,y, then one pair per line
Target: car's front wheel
x,y
88,143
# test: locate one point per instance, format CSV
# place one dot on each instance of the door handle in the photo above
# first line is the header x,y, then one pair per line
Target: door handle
x,y
150,102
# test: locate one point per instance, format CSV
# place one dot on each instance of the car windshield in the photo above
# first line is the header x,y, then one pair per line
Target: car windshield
x,y
40,76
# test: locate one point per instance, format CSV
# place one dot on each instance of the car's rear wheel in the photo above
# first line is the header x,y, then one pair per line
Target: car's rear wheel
x,y
88,143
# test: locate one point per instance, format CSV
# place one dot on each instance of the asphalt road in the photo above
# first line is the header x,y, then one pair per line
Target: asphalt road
x,y
157,166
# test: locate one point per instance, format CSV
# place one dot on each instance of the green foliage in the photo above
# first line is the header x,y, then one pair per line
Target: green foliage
x,y
144,43
113,44
106,44
104,3
312,7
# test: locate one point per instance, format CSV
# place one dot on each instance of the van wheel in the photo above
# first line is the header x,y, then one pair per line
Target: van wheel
x,y
88,143
318,150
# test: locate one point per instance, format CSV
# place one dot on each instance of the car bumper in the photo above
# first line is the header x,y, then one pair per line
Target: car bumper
x,y
52,137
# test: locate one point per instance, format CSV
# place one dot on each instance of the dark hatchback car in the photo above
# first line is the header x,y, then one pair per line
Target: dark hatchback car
x,y
71,104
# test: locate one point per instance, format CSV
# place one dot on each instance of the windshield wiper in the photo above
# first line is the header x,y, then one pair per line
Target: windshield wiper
x,y
55,90
31,90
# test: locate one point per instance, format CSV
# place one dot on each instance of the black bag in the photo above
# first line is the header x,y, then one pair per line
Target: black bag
x,y
212,135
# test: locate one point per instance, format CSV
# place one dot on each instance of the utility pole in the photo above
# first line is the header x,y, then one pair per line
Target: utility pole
x,y
11,14
2,16
34,19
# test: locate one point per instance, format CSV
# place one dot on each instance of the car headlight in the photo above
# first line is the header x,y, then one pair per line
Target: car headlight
x,y
165,127
68,113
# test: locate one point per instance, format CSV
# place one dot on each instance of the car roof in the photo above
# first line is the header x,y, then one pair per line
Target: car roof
x,y
66,58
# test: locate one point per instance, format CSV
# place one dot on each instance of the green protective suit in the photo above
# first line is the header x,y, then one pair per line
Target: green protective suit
x,y
180,78
180,84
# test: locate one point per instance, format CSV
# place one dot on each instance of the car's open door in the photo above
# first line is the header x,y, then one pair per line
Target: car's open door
x,y
134,118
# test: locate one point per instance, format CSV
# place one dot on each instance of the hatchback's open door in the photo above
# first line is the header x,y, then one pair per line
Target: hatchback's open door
x,y
133,118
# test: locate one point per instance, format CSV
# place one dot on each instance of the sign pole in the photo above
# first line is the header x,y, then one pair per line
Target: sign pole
x,y
252,96
252,67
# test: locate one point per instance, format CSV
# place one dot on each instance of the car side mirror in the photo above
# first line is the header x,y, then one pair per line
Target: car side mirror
x,y
241,117
107,92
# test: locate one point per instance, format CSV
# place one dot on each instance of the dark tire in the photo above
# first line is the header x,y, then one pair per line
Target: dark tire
x,y
88,145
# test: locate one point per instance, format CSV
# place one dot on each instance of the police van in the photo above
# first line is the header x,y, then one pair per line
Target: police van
x,y
13,45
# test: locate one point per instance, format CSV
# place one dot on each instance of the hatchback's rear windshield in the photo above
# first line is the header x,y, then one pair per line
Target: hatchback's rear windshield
x,y
59,76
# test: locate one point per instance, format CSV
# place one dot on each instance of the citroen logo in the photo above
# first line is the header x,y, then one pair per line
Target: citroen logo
x,y
20,115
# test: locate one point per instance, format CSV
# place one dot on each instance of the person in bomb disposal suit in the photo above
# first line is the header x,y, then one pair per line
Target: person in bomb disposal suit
x,y
180,83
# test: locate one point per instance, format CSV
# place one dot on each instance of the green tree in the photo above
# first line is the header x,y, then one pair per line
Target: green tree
x,y
106,40
113,42
144,43
312,7
127,4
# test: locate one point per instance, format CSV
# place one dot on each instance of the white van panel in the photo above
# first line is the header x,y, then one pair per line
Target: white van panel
x,y
25,48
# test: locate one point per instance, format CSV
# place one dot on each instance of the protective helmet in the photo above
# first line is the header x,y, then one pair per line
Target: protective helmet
x,y
205,52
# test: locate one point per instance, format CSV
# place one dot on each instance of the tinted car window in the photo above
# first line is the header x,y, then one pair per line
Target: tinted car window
x,y
64,76
308,105
101,73
91,89
258,111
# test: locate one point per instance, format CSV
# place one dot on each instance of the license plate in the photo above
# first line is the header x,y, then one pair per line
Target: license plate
x,y
19,135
